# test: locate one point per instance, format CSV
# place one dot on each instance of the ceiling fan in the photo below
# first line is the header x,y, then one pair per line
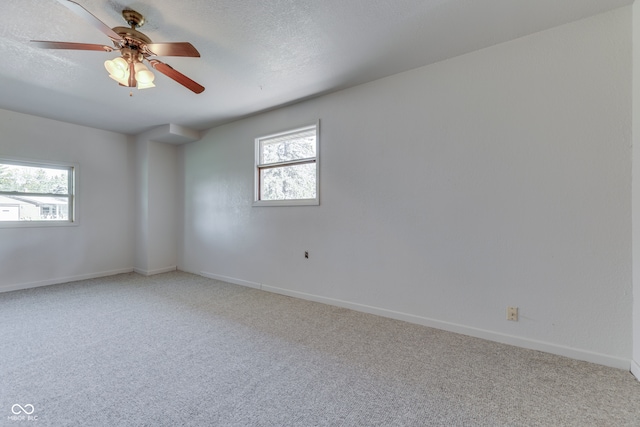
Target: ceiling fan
x,y
134,47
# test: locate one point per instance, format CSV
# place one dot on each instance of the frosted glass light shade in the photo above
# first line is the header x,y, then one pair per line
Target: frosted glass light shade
x,y
143,75
116,67
123,81
145,85
118,70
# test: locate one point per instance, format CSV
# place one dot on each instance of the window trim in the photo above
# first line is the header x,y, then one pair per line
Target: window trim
x,y
258,167
72,195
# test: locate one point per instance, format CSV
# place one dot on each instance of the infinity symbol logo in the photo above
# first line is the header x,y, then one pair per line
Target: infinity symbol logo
x,y
27,409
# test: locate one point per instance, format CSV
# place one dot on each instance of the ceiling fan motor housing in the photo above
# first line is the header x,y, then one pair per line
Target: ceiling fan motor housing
x,y
131,55
133,38
133,18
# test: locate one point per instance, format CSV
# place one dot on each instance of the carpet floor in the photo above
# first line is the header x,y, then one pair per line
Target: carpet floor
x,y
179,349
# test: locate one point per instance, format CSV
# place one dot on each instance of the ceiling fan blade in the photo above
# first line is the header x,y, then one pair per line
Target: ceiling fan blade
x,y
91,19
72,46
168,71
172,49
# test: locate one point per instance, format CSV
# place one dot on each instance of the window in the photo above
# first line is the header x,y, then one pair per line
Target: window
x,y
286,171
33,193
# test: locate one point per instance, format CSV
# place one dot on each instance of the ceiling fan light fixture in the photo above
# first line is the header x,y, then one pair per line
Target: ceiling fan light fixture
x,y
134,47
139,66
143,75
145,85
123,81
116,67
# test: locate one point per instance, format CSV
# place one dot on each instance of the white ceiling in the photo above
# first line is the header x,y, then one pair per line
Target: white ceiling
x,y
255,54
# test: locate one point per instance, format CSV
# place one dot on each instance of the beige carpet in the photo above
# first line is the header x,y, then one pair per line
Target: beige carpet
x,y
179,349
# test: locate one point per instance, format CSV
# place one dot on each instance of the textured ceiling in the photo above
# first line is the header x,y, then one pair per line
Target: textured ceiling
x,y
255,54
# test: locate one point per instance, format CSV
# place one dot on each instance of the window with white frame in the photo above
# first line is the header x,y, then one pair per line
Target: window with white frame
x,y
286,172
32,192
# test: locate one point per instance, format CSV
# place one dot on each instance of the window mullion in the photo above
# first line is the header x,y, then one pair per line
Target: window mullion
x,y
287,163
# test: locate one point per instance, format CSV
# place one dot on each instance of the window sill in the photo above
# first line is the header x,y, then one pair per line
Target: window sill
x,y
33,224
301,202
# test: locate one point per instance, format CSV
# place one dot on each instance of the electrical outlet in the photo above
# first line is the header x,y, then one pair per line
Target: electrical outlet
x,y
512,313
306,254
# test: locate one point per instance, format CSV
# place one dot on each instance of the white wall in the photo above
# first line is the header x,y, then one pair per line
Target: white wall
x,y
635,365
502,177
141,261
157,202
164,205
102,242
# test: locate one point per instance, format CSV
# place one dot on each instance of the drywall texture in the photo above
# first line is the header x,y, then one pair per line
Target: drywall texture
x,y
141,260
102,241
501,177
635,367
157,205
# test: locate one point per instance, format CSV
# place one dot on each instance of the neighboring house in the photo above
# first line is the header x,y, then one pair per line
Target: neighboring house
x,y
25,208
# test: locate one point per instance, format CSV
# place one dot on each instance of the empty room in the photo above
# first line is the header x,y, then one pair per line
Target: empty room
x,y
303,213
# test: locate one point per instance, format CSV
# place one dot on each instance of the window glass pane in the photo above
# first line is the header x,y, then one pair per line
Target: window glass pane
x,y
35,192
288,182
296,146
28,179
33,208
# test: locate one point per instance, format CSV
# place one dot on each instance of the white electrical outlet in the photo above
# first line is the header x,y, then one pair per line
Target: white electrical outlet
x,y
512,313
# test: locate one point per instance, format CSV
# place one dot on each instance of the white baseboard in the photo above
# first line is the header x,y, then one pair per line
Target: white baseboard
x,y
573,353
231,280
587,356
156,271
601,359
635,369
58,280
